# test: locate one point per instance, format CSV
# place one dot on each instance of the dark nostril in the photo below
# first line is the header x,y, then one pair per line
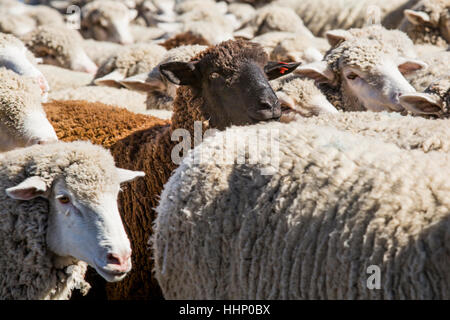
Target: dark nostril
x,y
113,259
267,105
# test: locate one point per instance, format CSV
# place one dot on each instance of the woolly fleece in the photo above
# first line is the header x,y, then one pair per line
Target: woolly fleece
x,y
337,204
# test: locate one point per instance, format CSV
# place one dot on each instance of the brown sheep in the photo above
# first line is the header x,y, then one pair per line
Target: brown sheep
x,y
97,122
222,86
183,39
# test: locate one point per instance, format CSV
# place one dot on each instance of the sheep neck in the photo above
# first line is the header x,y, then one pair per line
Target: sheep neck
x,y
188,108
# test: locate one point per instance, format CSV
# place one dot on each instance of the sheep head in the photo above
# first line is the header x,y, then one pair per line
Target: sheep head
x,y
367,73
81,183
233,80
435,101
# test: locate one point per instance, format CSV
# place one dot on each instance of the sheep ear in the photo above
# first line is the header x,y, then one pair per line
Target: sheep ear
x,y
275,70
128,175
335,37
140,82
407,66
181,73
421,103
318,71
28,189
110,80
416,17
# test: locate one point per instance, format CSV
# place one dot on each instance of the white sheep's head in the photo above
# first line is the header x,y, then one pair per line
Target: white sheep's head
x,y
84,221
15,56
23,121
369,74
433,15
59,46
435,101
108,21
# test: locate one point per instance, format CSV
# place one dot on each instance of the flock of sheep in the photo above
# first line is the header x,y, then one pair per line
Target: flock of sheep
x,y
349,100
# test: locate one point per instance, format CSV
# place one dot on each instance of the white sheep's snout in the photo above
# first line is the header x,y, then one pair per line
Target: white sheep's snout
x,y
38,129
43,84
114,265
119,262
83,63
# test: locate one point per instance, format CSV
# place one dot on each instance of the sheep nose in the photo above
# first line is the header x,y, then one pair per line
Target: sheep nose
x,y
119,262
43,84
396,97
272,105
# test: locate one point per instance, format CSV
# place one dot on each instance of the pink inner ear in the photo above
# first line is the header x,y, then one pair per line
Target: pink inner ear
x,y
25,194
409,67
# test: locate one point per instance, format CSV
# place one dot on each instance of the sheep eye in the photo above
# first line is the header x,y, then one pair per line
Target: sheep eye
x,y
214,75
352,76
63,199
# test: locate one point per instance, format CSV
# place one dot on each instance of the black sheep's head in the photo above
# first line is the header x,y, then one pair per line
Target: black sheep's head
x,y
233,79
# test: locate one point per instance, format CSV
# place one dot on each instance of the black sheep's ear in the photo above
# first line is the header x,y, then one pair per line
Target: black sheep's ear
x,y
275,70
181,73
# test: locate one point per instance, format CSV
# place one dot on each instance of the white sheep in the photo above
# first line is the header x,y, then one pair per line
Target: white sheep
x,y
301,95
406,132
273,18
130,60
396,38
335,206
434,101
16,24
18,18
59,46
363,74
300,48
428,22
58,212
22,119
320,16
438,67
16,57
107,21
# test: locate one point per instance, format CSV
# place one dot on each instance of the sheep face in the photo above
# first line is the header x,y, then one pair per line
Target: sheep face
x,y
110,22
22,119
369,76
233,82
380,88
433,19
23,129
84,221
